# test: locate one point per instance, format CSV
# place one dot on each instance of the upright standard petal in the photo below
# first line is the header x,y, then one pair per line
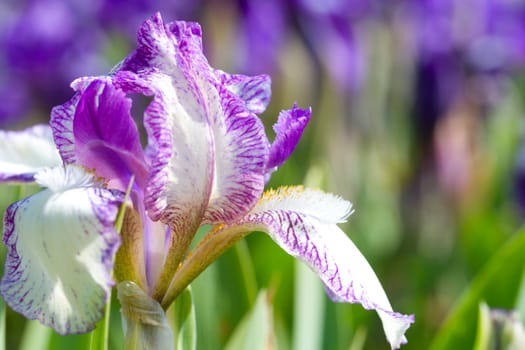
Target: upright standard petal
x,y
24,153
61,243
303,223
197,119
254,91
288,130
95,129
61,123
241,152
106,136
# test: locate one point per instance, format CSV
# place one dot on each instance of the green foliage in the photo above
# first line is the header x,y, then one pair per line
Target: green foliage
x,y
497,283
256,330
183,321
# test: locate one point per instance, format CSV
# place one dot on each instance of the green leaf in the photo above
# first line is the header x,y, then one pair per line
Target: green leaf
x,y
35,336
520,302
247,270
2,325
207,295
255,332
184,324
3,309
497,284
309,309
100,335
484,332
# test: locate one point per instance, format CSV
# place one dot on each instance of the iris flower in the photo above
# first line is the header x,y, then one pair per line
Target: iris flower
x,y
206,161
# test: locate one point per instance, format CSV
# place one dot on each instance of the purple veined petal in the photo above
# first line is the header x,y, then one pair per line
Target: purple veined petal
x,y
209,148
106,138
241,152
180,148
62,125
95,129
180,140
61,243
288,129
24,153
161,45
254,91
303,223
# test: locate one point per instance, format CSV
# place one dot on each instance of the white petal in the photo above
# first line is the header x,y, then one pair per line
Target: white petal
x,y
325,207
182,167
23,153
302,222
61,243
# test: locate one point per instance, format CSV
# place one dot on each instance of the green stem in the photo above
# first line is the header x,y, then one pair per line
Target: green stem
x,y
2,325
206,252
35,336
179,245
100,336
2,307
181,238
147,327
247,270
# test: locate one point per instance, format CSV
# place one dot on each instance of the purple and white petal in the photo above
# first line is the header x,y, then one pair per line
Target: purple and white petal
x,y
62,117
254,91
241,152
303,223
24,153
180,139
61,123
209,149
106,137
288,130
61,243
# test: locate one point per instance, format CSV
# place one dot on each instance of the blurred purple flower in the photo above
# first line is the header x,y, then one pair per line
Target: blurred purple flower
x,y
264,27
16,101
45,44
459,44
485,34
463,49
126,15
327,30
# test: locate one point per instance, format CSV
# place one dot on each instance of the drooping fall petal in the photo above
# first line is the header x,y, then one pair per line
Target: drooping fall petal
x,y
24,153
288,130
61,243
303,223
